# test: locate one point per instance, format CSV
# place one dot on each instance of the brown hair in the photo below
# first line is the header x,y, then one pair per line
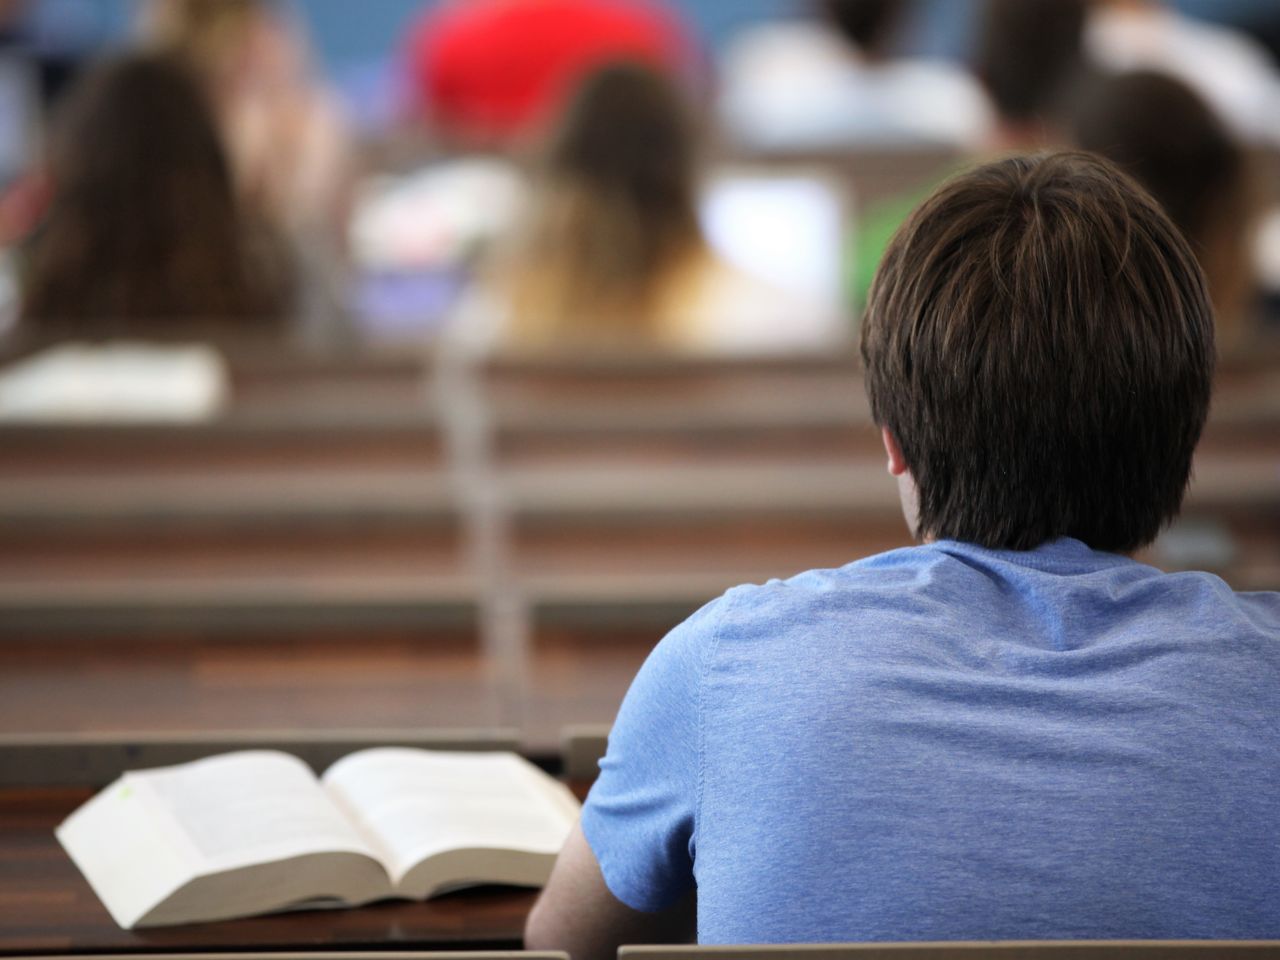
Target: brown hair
x,y
868,24
1029,53
1162,133
614,217
144,231
1039,341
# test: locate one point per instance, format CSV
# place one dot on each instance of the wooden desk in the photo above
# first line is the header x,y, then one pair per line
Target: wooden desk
x,y
231,551
354,681
329,680
632,494
47,907
306,441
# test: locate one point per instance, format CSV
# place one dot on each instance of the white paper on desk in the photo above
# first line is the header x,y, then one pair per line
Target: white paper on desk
x,y
117,382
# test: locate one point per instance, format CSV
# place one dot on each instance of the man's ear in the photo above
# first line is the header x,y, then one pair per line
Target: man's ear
x,y
897,462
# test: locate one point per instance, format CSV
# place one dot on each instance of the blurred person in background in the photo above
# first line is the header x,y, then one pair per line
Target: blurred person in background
x,y
1163,134
40,57
1232,72
53,61
26,73
611,255
835,80
1030,60
493,73
144,236
285,132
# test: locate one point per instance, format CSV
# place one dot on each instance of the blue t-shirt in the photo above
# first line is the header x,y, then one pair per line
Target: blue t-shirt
x,y
946,743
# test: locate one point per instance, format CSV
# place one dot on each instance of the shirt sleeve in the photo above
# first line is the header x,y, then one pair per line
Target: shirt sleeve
x,y
639,818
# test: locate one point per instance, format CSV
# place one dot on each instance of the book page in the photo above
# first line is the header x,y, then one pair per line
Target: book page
x,y
413,804
227,836
245,808
131,866
122,381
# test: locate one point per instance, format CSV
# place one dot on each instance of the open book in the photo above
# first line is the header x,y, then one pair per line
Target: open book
x,y
255,831
122,382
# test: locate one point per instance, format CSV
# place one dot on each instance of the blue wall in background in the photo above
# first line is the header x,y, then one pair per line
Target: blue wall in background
x,y
354,31
349,32
351,35
358,30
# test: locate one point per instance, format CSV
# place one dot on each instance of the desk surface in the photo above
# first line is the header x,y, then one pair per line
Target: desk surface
x,y
47,907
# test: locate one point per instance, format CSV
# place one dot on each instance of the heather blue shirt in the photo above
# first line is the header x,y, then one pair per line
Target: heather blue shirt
x,y
947,742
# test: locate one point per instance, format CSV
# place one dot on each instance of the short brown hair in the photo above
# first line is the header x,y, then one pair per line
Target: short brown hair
x,y
1039,341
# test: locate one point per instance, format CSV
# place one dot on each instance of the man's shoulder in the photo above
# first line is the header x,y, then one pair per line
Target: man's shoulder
x,y
1262,607
963,583
877,571
870,582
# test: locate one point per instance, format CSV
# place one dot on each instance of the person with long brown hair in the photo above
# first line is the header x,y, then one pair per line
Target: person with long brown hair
x,y
1170,140
285,131
287,136
144,236
611,253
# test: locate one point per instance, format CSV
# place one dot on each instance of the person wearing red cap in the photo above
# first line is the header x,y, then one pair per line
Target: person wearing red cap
x,y
490,71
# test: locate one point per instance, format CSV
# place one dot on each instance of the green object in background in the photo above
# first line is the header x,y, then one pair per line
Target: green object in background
x,y
876,229
872,240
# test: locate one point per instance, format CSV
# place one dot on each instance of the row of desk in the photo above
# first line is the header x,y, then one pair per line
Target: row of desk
x,y
331,548
314,556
